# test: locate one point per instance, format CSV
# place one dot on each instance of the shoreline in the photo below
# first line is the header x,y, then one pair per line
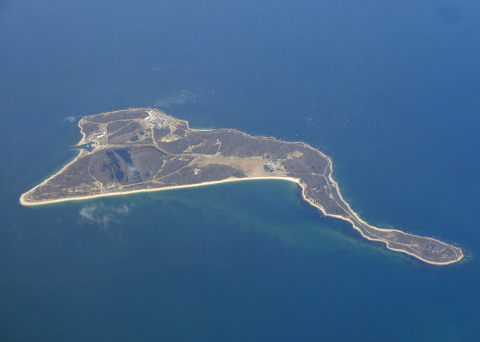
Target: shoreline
x,y
349,214
128,192
294,180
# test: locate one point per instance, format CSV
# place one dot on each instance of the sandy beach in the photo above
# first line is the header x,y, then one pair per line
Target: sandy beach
x,y
121,193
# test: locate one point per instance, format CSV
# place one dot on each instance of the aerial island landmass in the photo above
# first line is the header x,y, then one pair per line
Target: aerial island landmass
x,y
144,149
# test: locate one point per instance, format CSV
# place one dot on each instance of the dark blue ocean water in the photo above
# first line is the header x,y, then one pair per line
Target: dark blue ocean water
x,y
390,90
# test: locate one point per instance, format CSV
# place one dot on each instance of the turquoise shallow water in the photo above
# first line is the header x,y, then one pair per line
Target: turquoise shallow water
x,y
390,91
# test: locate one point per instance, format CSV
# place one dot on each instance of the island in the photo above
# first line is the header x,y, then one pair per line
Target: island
x,y
144,149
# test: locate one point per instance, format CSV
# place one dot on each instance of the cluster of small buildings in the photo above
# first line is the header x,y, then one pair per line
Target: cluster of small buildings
x,y
154,119
270,165
97,136
96,144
